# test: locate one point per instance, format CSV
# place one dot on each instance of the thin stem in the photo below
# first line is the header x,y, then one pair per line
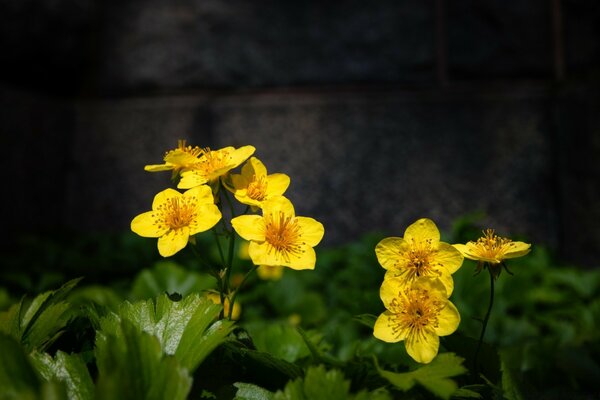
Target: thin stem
x,y
231,237
485,320
201,258
232,302
216,234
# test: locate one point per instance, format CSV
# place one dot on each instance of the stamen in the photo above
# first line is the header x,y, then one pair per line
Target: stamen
x,y
283,235
257,188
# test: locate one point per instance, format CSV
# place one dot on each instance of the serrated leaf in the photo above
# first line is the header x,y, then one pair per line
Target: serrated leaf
x,y
248,391
38,323
67,368
433,376
186,328
132,365
322,384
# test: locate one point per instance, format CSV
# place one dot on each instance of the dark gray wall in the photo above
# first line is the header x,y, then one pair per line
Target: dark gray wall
x,y
380,114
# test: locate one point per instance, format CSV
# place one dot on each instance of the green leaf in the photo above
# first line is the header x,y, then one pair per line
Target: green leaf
x,y
132,365
169,277
67,368
38,324
248,391
17,377
321,384
279,339
433,376
186,328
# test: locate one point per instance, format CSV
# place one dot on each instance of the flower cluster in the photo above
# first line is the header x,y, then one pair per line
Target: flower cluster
x,y
418,283
277,236
415,290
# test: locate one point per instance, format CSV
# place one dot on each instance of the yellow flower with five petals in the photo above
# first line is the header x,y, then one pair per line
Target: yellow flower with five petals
x,y
253,185
175,217
177,160
419,253
492,250
279,237
212,164
417,314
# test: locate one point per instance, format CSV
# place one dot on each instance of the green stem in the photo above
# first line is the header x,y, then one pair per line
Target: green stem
x,y
202,260
485,320
231,238
232,301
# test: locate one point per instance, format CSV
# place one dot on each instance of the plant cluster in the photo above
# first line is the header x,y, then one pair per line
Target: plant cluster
x,y
200,323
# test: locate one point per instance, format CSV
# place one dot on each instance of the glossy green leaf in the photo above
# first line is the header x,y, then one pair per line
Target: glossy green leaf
x,y
186,328
248,391
132,365
67,368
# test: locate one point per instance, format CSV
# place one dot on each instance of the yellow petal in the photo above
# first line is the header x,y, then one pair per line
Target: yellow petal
x,y
305,259
202,193
423,347
159,167
390,289
146,225
239,182
164,196
467,251
254,167
436,287
423,229
278,204
517,249
448,256
173,241
277,184
389,251
190,179
208,216
448,320
446,279
312,231
384,328
240,155
249,227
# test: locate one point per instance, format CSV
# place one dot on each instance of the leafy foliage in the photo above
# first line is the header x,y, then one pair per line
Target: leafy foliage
x,y
308,334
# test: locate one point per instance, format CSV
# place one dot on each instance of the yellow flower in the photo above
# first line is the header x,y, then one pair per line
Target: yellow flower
x,y
270,272
213,164
216,299
279,237
418,314
181,158
419,253
492,249
253,185
175,217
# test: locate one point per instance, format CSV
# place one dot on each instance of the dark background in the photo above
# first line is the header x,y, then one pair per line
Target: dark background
x,y
381,112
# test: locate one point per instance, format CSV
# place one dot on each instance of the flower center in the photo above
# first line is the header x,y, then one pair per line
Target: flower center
x,y
283,234
419,258
492,246
211,161
257,188
183,156
177,212
414,310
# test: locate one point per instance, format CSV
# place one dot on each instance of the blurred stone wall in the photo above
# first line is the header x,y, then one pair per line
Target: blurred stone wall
x,y
380,113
